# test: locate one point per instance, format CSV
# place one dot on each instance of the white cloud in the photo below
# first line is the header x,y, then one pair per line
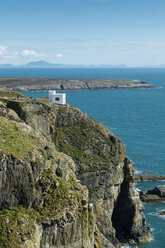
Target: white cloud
x,y
3,50
30,53
15,53
4,54
59,55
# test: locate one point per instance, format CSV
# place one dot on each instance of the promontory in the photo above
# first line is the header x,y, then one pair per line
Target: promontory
x,y
65,179
45,84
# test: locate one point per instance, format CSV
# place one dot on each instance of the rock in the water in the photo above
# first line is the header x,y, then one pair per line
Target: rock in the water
x,y
153,195
162,213
148,177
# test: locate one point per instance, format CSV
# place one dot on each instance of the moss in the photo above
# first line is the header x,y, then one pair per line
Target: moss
x,y
16,226
45,98
97,243
14,141
19,224
57,193
41,101
61,109
93,191
10,94
83,142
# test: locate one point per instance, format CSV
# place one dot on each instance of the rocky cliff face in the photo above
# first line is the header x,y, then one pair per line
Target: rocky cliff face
x,y
65,180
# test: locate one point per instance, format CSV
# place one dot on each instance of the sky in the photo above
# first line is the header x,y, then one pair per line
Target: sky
x,y
83,32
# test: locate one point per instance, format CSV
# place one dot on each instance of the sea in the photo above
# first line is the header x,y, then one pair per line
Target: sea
x,y
137,116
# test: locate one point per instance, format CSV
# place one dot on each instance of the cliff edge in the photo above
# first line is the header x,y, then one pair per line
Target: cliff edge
x,y
65,180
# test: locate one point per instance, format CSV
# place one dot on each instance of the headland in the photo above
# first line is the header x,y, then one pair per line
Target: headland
x,y
45,84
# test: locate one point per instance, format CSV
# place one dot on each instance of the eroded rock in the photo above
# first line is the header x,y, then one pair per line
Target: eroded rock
x,y
153,195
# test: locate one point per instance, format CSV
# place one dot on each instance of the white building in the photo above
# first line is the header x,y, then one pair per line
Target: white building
x,y
59,98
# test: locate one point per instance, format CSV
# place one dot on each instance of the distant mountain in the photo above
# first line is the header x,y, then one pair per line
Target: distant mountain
x,y
6,65
45,64
39,64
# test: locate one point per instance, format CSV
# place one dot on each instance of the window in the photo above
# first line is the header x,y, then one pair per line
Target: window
x,y
57,99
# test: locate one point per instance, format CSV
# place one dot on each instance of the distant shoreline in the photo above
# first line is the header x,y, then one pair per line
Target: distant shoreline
x,y
45,84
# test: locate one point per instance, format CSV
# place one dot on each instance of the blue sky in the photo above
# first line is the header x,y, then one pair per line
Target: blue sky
x,y
83,32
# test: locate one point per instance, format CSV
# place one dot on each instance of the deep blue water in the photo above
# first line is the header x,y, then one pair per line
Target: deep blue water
x,y
136,116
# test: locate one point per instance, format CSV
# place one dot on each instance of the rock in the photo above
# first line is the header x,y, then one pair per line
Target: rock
x,y
160,190
70,174
45,84
162,213
148,177
153,195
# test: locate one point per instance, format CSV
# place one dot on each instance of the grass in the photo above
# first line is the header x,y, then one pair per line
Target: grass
x,y
14,141
17,224
10,94
83,142
58,193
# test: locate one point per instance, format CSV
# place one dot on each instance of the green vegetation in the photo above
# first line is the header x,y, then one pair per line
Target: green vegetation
x,y
17,224
57,193
41,101
83,142
10,94
14,141
97,239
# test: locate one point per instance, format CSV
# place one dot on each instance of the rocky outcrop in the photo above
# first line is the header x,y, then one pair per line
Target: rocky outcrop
x,y
148,177
70,174
153,195
42,203
45,84
162,213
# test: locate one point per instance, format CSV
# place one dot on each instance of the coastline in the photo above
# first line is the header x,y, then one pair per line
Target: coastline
x,y
45,84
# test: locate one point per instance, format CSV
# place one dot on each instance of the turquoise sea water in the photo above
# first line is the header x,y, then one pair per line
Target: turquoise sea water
x,y
136,116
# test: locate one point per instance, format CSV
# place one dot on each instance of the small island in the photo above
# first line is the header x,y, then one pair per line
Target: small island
x,y
45,84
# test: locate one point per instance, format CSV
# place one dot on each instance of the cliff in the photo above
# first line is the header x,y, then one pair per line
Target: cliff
x,y
65,180
45,84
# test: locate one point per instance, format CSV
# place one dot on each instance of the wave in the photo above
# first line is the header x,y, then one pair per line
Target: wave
x,y
158,88
157,213
137,189
161,216
138,172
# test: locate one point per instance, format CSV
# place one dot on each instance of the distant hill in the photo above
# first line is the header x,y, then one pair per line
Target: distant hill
x,y
45,64
6,65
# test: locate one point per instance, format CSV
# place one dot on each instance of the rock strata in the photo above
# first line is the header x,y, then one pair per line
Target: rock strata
x,y
153,195
65,180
